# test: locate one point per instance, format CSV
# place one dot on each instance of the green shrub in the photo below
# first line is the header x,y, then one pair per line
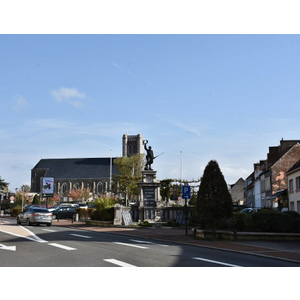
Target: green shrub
x,y
104,209
170,224
145,224
83,213
243,221
16,210
294,221
227,224
5,204
36,199
90,212
194,216
271,221
292,214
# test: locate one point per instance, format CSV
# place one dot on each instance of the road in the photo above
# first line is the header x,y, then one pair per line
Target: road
x,y
42,246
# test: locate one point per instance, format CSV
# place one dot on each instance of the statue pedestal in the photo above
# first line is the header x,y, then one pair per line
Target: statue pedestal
x,y
149,197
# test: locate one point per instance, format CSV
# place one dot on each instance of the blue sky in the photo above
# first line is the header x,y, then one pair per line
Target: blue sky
x,y
222,97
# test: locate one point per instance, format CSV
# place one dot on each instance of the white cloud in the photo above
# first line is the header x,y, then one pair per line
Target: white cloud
x,y
20,103
69,95
185,127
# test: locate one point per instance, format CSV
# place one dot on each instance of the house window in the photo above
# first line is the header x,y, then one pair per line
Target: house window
x,y
298,183
292,207
291,185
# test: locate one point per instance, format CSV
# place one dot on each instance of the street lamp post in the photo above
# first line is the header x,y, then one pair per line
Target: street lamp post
x,y
22,196
110,171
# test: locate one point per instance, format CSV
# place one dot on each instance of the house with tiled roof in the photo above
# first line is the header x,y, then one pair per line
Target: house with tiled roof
x,y
268,187
293,178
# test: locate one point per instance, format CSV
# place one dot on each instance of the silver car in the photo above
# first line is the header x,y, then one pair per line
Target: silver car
x,y
35,215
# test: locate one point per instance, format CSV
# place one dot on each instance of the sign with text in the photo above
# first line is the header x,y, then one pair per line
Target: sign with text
x,y
149,196
126,217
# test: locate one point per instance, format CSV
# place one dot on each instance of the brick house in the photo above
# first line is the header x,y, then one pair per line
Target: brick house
x,y
268,184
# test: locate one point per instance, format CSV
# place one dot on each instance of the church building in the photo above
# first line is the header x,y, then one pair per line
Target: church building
x,y
93,173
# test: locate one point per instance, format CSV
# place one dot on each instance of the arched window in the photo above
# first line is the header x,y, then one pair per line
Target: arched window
x,y
76,186
64,188
99,189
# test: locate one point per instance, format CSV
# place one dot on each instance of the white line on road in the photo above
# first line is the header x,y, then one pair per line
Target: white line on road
x,y
119,263
215,262
62,246
131,245
146,242
20,233
79,235
12,248
50,230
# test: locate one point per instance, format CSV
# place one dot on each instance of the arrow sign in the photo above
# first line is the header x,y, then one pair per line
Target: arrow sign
x,y
3,247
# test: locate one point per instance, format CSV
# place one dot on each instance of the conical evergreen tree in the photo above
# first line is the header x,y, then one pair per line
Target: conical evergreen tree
x,y
214,201
36,199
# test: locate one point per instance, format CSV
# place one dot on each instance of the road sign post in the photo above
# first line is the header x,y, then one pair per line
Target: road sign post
x,y
186,194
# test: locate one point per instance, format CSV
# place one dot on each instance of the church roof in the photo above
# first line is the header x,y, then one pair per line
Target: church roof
x,y
72,168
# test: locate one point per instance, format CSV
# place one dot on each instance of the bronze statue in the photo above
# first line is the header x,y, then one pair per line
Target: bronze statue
x,y
149,156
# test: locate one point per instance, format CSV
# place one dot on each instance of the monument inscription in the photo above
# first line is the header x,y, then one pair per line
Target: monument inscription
x,y
149,196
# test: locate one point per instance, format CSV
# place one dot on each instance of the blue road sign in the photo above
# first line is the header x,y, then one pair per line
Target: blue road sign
x,y
186,192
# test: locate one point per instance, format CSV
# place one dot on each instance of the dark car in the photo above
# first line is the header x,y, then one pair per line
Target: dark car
x,y
35,215
64,212
249,210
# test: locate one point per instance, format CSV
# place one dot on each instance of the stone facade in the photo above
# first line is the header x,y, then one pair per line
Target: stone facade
x,y
237,192
132,144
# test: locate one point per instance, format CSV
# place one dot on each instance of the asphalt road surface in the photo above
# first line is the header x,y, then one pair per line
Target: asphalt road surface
x,y
42,246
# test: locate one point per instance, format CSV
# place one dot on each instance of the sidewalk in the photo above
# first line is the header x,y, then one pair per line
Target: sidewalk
x,y
284,250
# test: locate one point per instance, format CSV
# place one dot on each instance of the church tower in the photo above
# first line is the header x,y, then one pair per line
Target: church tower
x,y
132,144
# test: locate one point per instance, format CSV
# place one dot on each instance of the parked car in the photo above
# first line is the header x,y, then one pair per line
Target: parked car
x,y
248,210
61,205
64,212
82,205
35,215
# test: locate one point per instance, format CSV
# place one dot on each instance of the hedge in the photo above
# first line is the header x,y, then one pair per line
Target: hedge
x,y
268,221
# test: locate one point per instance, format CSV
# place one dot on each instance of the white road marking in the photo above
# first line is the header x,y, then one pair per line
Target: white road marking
x,y
3,247
62,246
119,262
146,242
215,262
19,232
131,245
79,235
50,230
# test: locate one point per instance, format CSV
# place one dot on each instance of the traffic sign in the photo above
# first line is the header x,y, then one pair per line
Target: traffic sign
x,y
186,192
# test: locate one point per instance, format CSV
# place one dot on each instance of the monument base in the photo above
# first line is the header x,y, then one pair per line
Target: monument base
x,y
149,197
